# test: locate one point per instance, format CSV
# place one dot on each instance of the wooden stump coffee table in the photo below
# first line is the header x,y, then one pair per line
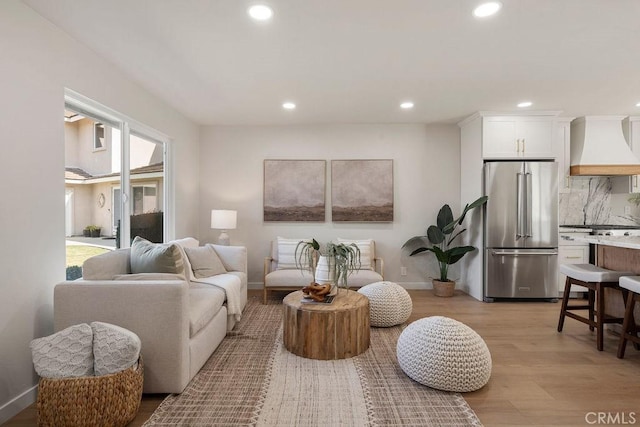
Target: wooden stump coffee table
x,y
326,331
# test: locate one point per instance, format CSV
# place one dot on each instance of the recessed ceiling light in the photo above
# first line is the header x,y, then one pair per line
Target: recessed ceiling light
x,y
289,106
407,105
260,12
525,104
638,104
487,9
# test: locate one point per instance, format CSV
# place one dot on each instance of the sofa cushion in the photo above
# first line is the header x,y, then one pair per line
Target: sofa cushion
x,y
114,348
367,254
204,303
204,262
288,278
68,353
147,257
287,253
149,276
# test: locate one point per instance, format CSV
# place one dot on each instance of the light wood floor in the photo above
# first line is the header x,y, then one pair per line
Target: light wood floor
x,y
540,377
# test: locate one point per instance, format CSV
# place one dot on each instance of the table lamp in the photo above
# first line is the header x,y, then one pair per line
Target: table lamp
x,y
223,220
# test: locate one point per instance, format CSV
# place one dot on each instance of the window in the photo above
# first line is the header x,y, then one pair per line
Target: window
x,y
98,137
133,172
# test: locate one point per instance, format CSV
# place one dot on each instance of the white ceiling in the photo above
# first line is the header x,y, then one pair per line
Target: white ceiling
x,y
354,61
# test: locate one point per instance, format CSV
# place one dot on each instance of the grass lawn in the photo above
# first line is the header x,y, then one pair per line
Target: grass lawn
x,y
76,254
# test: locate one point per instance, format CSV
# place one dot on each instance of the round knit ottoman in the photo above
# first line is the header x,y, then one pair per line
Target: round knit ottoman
x,y
445,354
389,303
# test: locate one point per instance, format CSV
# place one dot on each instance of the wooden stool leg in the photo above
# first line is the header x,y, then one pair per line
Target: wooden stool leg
x,y
565,302
600,316
592,296
628,325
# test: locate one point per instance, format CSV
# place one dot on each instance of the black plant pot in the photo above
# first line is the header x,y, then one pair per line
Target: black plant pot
x,y
86,233
96,233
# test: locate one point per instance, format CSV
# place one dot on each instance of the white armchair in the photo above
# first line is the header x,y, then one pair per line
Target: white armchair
x,y
277,277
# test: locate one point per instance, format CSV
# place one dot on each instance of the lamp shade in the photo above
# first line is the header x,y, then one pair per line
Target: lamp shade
x,y
223,219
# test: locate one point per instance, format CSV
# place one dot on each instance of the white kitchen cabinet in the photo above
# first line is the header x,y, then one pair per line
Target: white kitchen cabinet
x,y
631,130
571,252
509,137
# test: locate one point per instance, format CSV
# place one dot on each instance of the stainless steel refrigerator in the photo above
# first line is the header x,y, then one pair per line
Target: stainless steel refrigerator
x,y
521,230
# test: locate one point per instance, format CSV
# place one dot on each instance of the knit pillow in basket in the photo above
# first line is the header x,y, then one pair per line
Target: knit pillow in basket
x,y
114,348
68,353
445,354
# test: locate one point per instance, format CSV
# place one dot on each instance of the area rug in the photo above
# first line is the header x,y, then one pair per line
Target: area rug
x,y
251,380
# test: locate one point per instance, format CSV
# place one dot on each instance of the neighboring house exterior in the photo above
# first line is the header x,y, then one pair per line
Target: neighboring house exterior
x,y
92,175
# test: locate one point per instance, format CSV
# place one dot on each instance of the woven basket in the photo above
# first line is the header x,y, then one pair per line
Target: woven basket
x,y
107,400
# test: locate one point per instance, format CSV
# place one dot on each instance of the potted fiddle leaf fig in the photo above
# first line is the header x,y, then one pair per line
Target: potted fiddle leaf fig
x,y
440,240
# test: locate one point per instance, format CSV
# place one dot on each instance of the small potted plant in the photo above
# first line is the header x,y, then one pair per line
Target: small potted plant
x,y
305,255
344,259
94,230
439,240
340,259
87,231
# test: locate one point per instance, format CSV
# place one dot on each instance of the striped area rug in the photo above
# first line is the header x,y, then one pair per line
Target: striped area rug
x,y
251,380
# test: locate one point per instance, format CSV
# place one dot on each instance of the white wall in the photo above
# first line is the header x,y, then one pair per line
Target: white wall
x,y
426,175
38,62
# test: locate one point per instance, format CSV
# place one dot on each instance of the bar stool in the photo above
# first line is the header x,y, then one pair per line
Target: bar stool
x,y
632,285
596,280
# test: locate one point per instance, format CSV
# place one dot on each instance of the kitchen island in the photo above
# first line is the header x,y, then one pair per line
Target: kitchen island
x,y
620,253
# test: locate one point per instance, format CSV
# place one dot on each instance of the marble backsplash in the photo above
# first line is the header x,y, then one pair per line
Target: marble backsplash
x,y
592,200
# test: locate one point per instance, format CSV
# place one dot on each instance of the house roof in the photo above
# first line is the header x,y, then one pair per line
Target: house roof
x,y
78,174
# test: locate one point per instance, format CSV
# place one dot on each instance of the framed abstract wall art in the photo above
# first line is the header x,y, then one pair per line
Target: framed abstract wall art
x,y
362,190
294,190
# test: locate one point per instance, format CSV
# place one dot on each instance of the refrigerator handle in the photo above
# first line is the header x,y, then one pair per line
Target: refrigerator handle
x,y
520,200
529,207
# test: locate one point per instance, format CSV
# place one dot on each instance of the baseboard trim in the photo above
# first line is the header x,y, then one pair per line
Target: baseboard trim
x,y
406,285
17,404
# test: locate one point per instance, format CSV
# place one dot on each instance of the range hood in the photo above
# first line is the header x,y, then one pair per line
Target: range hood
x,y
598,148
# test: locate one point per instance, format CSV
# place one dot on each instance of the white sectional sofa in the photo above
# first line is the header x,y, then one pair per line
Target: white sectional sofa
x,y
179,321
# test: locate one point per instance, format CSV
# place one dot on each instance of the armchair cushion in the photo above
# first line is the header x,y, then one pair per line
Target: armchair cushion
x,y
360,278
367,252
288,278
147,257
204,261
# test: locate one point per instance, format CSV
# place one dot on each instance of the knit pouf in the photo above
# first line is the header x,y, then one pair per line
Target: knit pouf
x,y
444,354
389,303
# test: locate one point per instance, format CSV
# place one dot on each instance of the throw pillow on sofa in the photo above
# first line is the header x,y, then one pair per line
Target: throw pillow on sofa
x,y
68,353
205,262
147,257
114,348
